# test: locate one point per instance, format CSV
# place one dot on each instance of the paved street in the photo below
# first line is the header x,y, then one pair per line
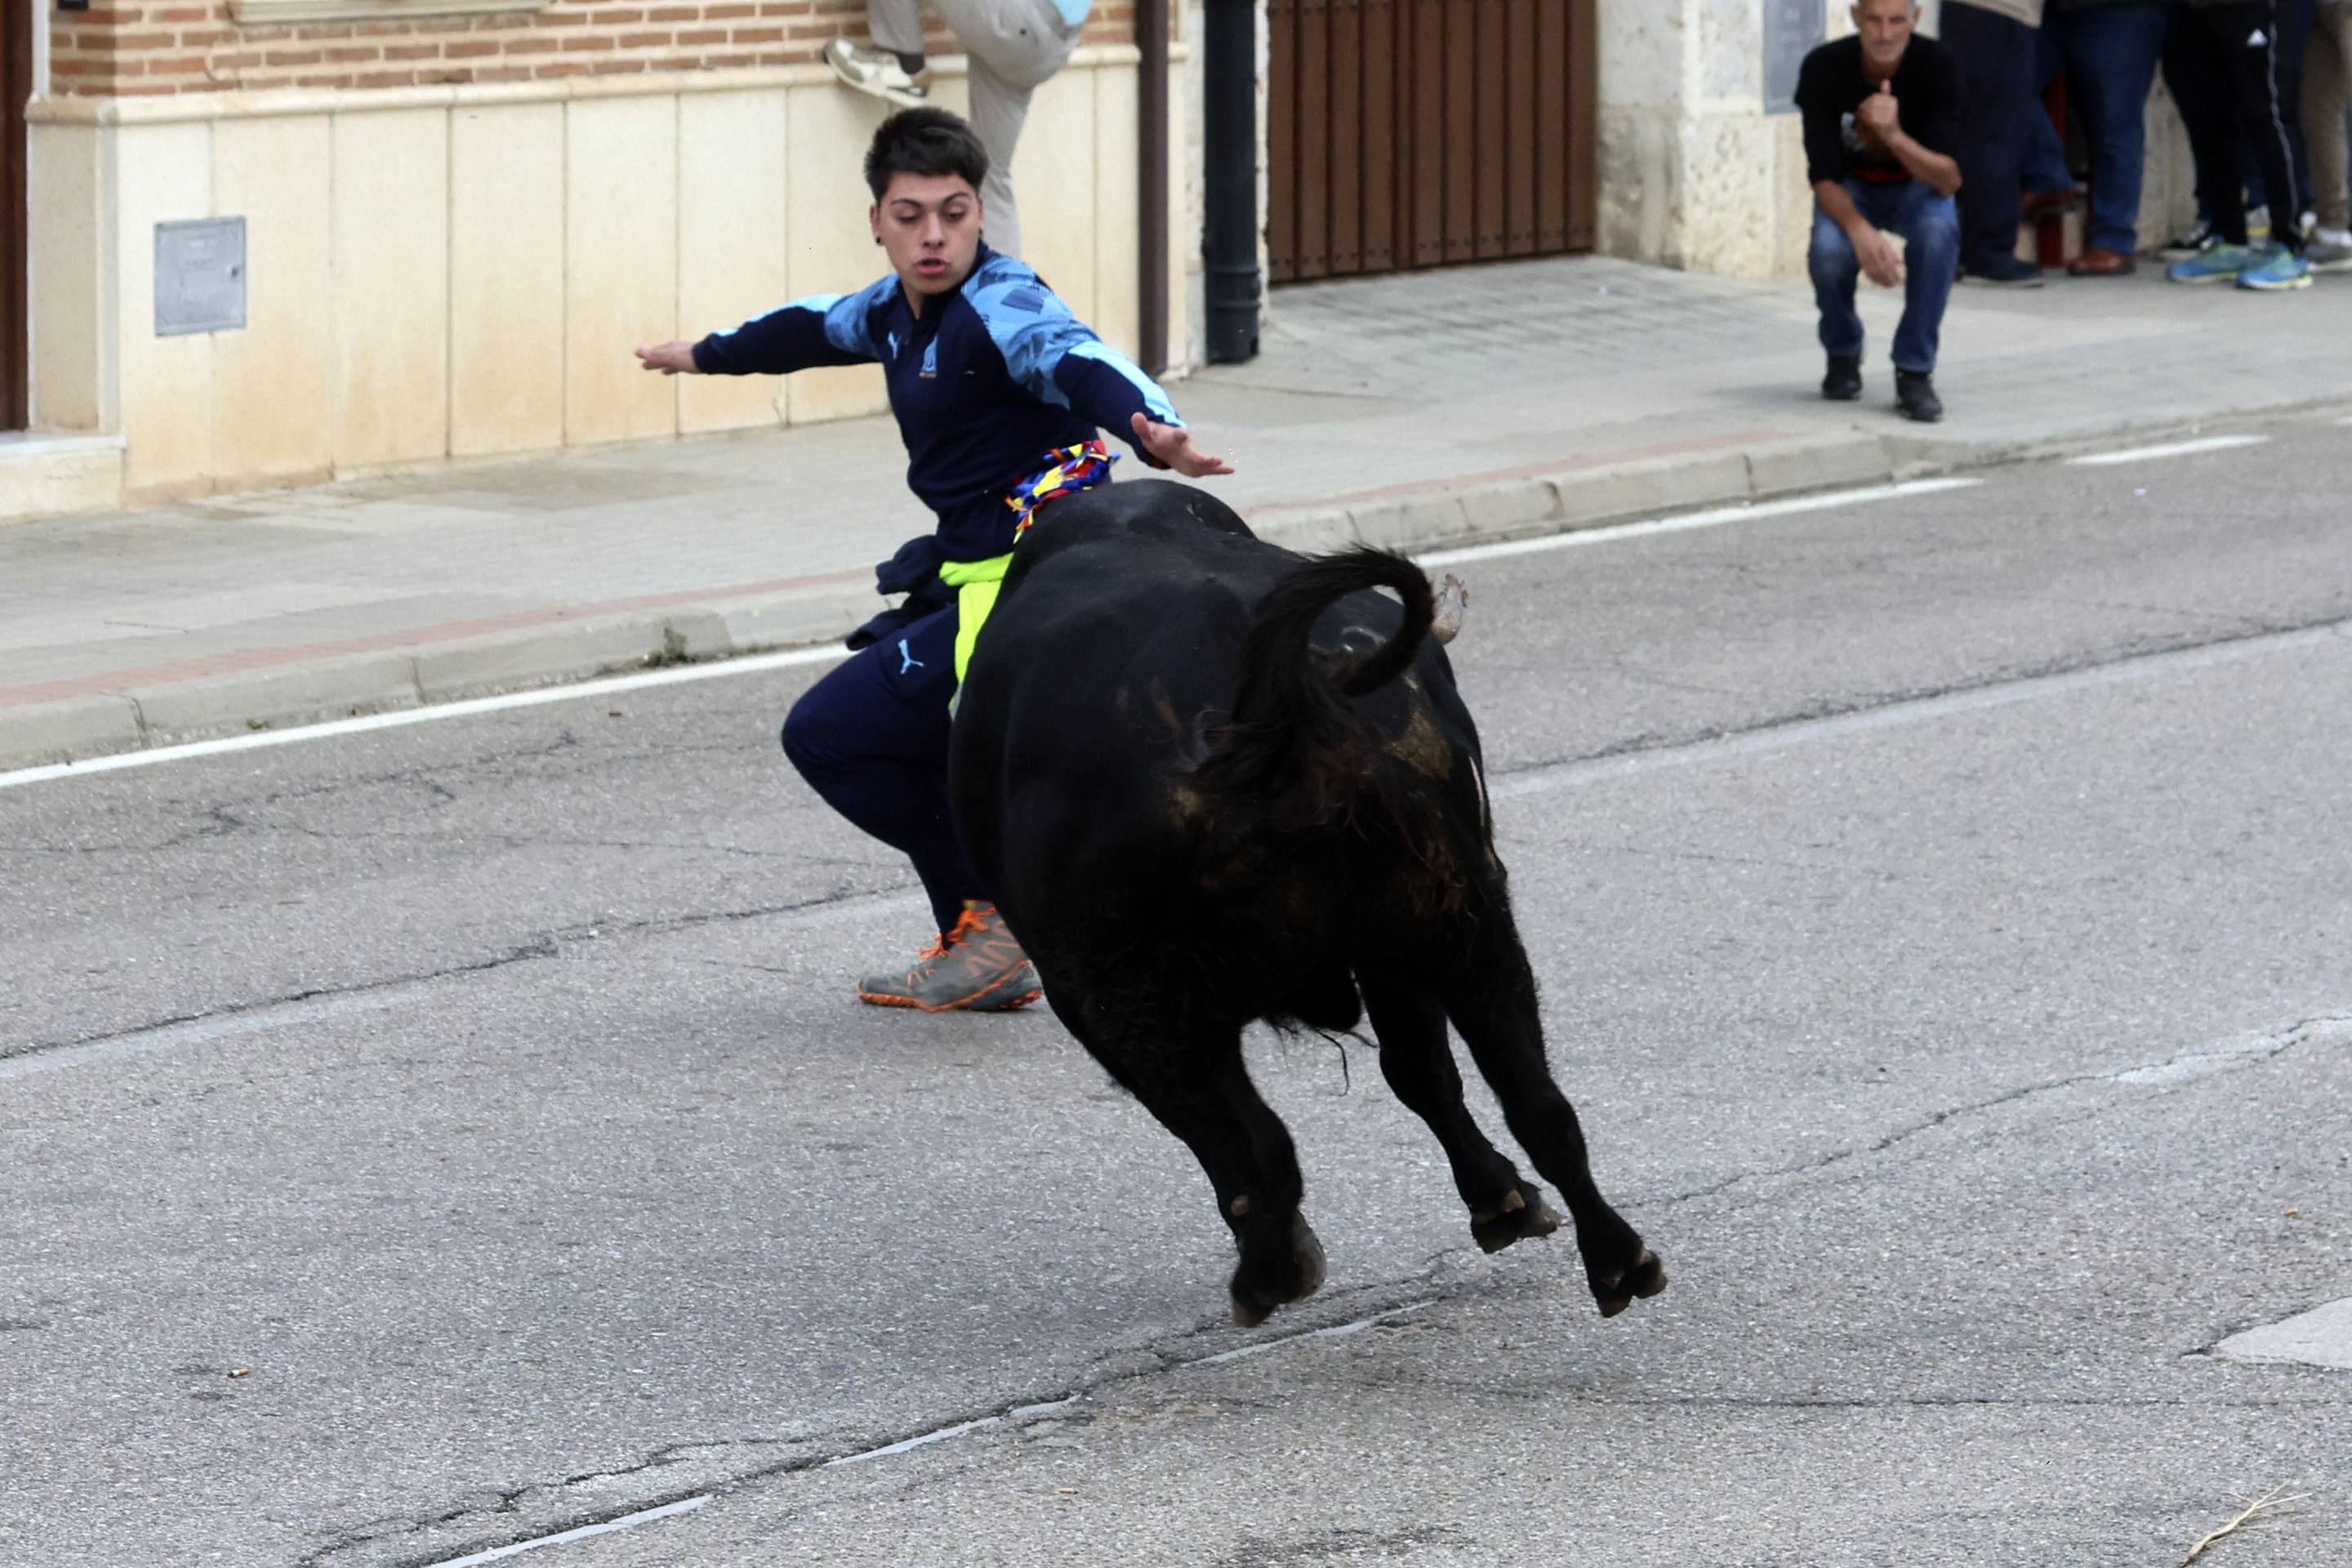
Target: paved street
x,y
421,1141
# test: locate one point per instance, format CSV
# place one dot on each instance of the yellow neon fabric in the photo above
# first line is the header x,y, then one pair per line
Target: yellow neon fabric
x,y
977,584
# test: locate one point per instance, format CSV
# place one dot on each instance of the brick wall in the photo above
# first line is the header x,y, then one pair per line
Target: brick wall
x,y
194,46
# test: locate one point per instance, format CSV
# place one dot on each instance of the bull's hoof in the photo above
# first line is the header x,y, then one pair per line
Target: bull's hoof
x,y
1515,1218
1256,1292
1616,1292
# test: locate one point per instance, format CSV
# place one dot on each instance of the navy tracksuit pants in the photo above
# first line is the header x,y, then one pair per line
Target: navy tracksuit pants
x,y
2227,69
871,738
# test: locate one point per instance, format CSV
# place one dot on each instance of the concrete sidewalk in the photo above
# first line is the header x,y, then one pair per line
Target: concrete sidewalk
x,y
1412,411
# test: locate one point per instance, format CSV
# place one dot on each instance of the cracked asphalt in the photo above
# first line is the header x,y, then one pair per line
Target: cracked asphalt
x,y
420,1141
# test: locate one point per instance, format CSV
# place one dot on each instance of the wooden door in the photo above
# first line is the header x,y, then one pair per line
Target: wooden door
x,y
1409,134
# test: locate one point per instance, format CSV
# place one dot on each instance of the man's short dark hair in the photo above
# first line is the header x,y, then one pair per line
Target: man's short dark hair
x,y
924,141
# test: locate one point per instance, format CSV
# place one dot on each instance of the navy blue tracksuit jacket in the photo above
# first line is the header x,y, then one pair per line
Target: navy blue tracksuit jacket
x,y
984,383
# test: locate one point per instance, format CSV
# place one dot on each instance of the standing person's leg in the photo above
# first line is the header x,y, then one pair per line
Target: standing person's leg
x,y
2112,51
1995,58
1014,46
2200,91
2045,176
2295,18
898,27
2201,82
2326,97
998,112
1835,271
2251,48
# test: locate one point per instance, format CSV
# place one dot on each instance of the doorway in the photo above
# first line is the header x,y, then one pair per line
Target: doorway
x,y
1411,134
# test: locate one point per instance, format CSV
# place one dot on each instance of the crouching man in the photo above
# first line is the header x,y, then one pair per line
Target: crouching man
x,y
1882,122
1001,396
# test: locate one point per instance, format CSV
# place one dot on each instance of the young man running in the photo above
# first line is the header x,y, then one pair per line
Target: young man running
x,y
1000,394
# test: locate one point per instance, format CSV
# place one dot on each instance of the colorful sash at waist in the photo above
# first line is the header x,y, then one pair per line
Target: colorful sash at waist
x,y
1067,470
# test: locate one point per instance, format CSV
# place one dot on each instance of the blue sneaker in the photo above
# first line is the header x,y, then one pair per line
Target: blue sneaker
x,y
2277,268
2214,264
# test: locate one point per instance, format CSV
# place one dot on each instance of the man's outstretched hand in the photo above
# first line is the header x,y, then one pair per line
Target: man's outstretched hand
x,y
670,358
1172,445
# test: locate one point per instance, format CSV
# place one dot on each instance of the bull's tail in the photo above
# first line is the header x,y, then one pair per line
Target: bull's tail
x,y
1294,746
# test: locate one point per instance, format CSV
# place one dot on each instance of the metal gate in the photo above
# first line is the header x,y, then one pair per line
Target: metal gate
x,y
16,23
1408,133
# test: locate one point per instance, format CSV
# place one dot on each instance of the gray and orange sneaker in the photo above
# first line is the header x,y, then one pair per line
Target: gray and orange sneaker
x,y
977,967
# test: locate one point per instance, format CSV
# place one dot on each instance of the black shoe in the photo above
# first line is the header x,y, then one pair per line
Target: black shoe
x,y
1843,383
2003,270
1914,395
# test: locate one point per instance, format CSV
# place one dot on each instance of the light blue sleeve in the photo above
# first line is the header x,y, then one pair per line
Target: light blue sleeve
x,y
1053,354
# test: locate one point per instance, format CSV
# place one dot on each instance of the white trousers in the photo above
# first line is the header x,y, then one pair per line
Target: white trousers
x,y
1014,46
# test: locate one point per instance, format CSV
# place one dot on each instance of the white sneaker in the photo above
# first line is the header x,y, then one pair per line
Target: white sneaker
x,y
877,71
2330,250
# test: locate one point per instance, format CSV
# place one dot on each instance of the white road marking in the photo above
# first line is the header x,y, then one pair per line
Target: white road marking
x,y
626,1521
611,686
758,664
2171,449
944,1433
1714,517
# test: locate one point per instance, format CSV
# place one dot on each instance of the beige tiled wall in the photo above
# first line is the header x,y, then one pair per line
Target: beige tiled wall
x,y
274,383
733,173
506,279
465,273
830,249
73,250
620,270
391,222
163,173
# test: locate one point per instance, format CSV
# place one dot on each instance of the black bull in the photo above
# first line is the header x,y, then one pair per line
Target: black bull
x,y
1212,781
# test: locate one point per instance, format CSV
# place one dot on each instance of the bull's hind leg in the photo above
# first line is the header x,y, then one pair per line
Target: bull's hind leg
x,y
1415,1058
1493,1003
1194,1083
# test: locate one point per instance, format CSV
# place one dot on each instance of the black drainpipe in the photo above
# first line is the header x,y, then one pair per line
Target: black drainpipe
x,y
1151,138
1229,115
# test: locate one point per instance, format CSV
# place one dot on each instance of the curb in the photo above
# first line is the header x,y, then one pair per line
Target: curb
x,y
569,651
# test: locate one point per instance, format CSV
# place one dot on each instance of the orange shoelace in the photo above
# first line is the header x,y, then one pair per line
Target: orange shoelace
x,y
970,923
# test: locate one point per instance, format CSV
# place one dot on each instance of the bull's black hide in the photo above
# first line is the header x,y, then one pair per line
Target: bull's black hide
x,y
1211,780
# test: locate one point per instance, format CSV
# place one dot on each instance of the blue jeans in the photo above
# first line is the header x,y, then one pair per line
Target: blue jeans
x,y
1930,227
2111,52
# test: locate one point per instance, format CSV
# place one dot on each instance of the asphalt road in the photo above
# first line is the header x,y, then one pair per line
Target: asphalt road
x,y
423,1140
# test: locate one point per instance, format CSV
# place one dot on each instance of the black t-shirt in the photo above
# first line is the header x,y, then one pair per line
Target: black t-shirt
x,y
1834,83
